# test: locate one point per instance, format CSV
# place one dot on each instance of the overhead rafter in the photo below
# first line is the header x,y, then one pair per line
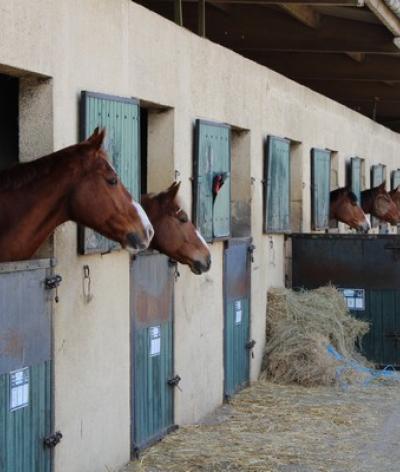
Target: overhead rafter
x,y
304,67
245,31
303,13
385,14
356,90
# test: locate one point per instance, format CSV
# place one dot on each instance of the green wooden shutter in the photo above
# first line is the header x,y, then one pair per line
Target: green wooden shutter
x,y
121,118
212,157
395,181
355,176
320,188
277,185
377,177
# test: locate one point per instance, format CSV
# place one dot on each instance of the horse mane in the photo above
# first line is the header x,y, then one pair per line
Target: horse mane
x,y
22,174
335,194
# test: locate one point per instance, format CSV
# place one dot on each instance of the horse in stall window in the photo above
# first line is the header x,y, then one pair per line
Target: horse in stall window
x,y
76,183
379,203
174,234
344,207
395,196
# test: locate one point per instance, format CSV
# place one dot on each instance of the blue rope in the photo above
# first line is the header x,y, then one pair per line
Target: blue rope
x,y
388,372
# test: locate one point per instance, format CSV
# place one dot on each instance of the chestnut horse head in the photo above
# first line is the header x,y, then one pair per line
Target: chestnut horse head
x,y
344,207
378,203
100,201
175,235
77,183
395,196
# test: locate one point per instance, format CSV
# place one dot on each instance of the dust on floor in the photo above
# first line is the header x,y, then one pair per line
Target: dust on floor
x,y
274,428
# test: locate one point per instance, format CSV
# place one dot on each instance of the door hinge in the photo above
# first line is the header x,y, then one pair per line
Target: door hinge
x,y
53,282
52,439
250,345
174,381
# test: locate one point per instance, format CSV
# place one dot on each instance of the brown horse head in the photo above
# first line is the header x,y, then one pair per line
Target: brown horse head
x,y
395,196
100,201
175,235
378,203
344,207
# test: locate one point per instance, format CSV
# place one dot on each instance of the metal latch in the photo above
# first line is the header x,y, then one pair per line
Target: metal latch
x,y
52,283
393,334
174,266
174,381
52,440
251,250
249,346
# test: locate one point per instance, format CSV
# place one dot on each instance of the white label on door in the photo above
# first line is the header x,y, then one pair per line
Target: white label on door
x,y
19,388
155,340
354,298
238,312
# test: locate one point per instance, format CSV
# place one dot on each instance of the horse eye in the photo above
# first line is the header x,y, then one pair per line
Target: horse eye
x,y
183,218
112,181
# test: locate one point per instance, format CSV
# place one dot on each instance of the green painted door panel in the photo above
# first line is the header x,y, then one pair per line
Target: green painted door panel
x,y
382,310
22,430
237,315
25,366
277,185
320,188
121,118
152,348
212,157
236,338
355,165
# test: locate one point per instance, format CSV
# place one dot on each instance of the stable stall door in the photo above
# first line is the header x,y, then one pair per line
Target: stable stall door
x,y
25,368
237,345
153,378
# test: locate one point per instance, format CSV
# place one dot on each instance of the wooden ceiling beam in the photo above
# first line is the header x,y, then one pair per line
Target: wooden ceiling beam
x,y
260,28
356,56
303,67
356,90
385,14
302,13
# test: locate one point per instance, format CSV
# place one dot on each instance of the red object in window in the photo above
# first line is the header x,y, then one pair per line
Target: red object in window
x,y
218,182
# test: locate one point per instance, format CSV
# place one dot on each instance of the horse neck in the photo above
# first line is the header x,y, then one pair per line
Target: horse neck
x,y
31,212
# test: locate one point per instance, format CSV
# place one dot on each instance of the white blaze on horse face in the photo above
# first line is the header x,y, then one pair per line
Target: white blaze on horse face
x,y
148,227
367,223
201,239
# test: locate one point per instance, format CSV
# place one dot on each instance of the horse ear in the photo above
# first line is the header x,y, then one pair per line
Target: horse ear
x,y
97,138
397,189
382,186
172,191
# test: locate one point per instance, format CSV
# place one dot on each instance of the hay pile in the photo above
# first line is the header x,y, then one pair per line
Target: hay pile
x,y
300,326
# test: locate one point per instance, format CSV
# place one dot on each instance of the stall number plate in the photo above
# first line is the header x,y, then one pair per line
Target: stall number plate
x,y
19,389
354,298
238,312
155,340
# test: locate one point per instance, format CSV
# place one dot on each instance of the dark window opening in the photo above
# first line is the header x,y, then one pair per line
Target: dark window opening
x,y
9,93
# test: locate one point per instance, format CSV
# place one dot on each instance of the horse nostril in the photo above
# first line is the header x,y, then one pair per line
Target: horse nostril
x,y
136,241
208,262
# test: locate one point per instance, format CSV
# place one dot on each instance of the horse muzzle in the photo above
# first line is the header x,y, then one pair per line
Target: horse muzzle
x,y
199,267
137,242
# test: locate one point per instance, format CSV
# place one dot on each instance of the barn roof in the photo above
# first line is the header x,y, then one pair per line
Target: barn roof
x,y
345,49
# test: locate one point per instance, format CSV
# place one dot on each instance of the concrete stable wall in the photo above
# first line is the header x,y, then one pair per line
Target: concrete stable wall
x,y
120,48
